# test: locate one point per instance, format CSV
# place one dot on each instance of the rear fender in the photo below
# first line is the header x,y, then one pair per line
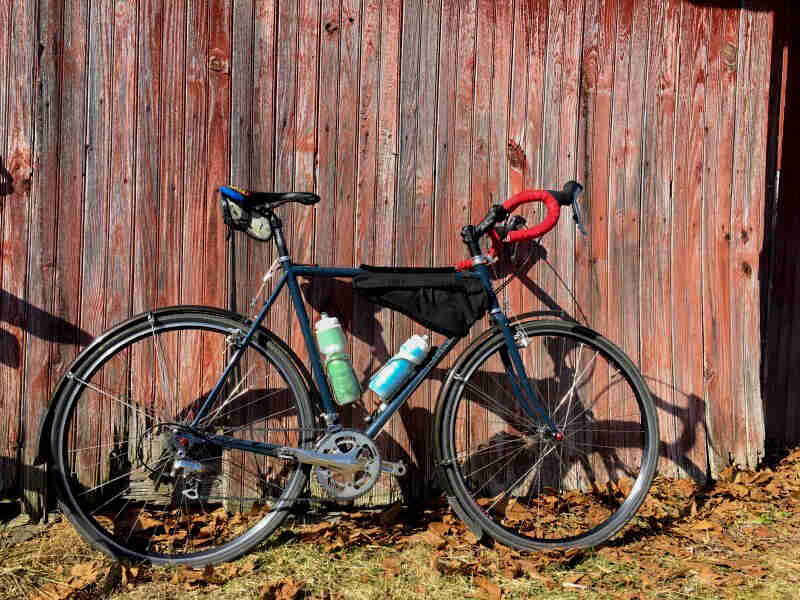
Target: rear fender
x,y
44,451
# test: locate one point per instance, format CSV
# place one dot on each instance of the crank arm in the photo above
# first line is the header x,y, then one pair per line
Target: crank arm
x,y
342,463
398,469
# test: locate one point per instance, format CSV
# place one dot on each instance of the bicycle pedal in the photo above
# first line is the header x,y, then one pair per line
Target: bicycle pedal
x,y
398,469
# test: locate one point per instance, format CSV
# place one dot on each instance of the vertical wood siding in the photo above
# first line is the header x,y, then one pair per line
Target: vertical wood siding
x,y
118,121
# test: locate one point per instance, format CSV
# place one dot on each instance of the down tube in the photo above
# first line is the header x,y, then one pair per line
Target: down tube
x,y
376,426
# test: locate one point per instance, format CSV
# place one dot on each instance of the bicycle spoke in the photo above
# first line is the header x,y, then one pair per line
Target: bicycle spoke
x,y
488,481
553,482
524,475
232,396
575,382
499,408
97,389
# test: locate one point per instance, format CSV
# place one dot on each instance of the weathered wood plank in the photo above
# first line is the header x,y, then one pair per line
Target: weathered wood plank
x,y
285,134
538,18
386,177
97,419
547,276
424,205
686,262
621,222
220,23
24,388
262,161
747,231
516,160
445,134
405,223
122,164
170,215
501,86
71,186
593,152
197,266
148,124
301,236
147,186
243,59
656,312
5,66
499,135
329,31
480,193
566,159
368,348
718,180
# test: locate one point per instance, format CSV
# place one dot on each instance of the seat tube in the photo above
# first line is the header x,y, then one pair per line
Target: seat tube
x,y
311,344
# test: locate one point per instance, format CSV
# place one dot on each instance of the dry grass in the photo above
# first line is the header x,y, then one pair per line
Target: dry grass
x,y
737,540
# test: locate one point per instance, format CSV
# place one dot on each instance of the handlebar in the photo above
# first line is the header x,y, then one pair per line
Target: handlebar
x,y
553,200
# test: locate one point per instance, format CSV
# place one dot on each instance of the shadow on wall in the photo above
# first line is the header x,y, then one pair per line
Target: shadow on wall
x,y
779,278
6,180
328,297
17,312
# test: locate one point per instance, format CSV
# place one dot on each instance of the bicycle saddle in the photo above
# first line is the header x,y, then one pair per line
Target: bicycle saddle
x,y
249,199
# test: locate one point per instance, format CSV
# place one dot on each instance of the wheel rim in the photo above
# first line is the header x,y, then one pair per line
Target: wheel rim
x,y
119,462
537,490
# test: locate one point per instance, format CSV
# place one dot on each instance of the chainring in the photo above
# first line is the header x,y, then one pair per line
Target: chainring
x,y
348,485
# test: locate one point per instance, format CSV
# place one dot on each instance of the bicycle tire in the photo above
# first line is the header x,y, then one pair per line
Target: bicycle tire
x,y
118,393
578,492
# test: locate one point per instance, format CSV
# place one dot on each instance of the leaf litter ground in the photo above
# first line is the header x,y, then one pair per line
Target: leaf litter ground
x,y
737,538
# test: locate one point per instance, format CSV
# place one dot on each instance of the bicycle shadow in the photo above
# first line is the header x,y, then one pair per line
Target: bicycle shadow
x,y
421,480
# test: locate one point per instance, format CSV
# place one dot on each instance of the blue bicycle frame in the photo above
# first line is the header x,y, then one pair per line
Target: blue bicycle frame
x,y
510,356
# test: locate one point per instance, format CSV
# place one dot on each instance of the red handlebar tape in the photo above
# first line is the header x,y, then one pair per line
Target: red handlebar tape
x,y
523,197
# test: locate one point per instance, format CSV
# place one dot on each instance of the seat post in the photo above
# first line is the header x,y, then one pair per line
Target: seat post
x,y
277,230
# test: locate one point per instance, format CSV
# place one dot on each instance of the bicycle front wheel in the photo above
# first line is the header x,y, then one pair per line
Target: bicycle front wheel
x,y
506,472
128,481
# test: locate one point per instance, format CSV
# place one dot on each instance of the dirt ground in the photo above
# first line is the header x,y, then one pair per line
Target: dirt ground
x,y
737,538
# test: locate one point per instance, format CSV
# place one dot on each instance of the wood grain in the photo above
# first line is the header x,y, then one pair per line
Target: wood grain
x,y
409,119
718,181
687,209
657,197
23,385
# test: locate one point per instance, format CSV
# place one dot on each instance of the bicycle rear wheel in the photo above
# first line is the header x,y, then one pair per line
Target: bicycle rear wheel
x,y
506,473
125,478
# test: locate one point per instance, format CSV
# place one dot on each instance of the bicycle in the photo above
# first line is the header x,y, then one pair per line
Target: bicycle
x,y
187,434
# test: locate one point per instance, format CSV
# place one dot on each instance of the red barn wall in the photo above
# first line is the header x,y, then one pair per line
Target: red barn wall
x,y
118,121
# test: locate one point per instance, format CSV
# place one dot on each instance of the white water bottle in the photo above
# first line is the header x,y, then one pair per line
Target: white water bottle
x,y
400,367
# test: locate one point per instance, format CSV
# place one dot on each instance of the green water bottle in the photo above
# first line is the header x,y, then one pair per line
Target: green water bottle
x,y
332,343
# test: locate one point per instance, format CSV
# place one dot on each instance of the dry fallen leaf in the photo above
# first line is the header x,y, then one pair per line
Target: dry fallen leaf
x,y
287,589
492,590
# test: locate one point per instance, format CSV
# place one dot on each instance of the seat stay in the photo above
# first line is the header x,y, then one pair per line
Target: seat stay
x,y
241,345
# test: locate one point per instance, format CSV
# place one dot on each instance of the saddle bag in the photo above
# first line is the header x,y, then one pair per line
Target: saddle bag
x,y
241,215
440,299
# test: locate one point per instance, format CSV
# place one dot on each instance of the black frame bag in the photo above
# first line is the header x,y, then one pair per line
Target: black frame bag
x,y
442,300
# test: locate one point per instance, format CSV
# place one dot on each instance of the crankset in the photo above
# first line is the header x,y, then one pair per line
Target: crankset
x,y
346,463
